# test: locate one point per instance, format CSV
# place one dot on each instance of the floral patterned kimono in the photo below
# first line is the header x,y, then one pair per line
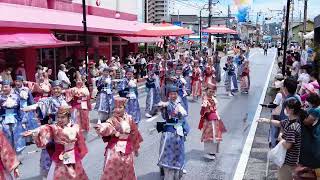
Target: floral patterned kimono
x,y
128,88
70,149
47,109
79,99
124,140
172,149
211,125
8,158
209,74
11,121
26,99
196,82
244,78
40,90
105,100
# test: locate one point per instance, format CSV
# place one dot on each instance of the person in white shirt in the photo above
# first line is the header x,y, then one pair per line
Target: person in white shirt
x,y
62,76
295,68
303,78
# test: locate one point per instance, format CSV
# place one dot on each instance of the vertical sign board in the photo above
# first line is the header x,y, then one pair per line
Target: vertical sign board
x,y
317,31
177,23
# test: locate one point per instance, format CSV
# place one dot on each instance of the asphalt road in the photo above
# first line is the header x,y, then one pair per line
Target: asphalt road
x,y
237,113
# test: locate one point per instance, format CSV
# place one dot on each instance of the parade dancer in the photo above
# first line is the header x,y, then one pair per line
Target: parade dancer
x,y
153,94
217,67
244,78
174,131
105,101
26,99
124,139
231,79
210,124
196,81
79,99
12,123
8,159
187,74
181,84
128,88
69,146
47,109
40,89
209,73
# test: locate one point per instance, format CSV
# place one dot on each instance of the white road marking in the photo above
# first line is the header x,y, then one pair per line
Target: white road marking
x,y
242,164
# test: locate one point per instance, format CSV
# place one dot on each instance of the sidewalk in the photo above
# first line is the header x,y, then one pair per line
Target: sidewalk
x,y
257,166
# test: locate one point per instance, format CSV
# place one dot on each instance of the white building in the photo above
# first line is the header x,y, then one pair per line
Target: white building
x,y
160,10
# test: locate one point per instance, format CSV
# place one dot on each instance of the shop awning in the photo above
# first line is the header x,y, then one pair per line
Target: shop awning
x,y
10,39
41,18
136,39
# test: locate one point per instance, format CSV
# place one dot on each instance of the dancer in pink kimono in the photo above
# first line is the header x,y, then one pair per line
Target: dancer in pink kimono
x,y
123,138
210,124
69,147
196,81
79,99
8,159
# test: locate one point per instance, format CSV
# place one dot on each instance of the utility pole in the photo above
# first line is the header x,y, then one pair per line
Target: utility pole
x,y
282,29
305,22
209,22
146,21
286,38
228,25
85,34
257,31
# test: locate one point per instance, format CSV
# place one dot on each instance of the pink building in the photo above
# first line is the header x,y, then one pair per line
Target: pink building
x,y
49,31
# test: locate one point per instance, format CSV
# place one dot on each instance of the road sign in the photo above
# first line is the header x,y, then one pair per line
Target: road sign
x,y
177,23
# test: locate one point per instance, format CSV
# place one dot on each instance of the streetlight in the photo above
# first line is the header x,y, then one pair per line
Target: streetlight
x,y
85,34
200,25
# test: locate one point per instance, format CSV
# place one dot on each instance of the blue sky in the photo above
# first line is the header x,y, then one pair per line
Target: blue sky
x,y
194,6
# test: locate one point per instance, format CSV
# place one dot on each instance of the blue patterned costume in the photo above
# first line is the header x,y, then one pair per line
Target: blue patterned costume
x,y
11,120
131,93
105,100
187,72
231,77
153,93
26,99
181,83
172,149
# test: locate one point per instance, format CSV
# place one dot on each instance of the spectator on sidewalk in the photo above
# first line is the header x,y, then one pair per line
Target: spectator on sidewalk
x,y
310,136
6,74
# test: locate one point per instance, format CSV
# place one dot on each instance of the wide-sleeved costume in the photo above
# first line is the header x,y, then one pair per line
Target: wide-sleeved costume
x,y
153,93
26,99
187,75
11,121
79,99
231,78
105,101
196,82
124,140
211,125
69,150
47,109
172,148
244,77
40,90
128,88
8,158
181,83
209,74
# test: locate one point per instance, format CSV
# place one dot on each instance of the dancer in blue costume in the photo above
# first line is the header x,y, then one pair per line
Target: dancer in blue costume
x,y
153,94
231,82
12,124
26,99
181,84
128,89
105,100
172,149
